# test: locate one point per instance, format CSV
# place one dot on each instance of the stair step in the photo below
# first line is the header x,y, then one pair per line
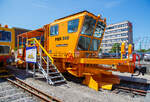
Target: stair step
x,y
59,81
54,77
54,73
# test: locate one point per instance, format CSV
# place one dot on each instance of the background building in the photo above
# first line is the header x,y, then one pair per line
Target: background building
x,y
117,33
19,31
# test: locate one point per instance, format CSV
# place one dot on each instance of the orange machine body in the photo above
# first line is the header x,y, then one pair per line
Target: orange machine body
x,y
74,43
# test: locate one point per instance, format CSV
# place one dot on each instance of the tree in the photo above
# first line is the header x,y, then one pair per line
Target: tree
x,y
100,50
142,50
148,50
115,48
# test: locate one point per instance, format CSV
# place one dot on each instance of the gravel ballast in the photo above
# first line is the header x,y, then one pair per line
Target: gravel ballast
x,y
75,92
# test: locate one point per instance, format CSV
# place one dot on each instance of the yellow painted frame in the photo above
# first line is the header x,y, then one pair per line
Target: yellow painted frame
x,y
11,44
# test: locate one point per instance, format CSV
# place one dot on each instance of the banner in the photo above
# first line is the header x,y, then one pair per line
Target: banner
x,y
31,53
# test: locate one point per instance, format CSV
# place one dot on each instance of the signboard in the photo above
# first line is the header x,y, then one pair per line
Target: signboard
x,y
31,53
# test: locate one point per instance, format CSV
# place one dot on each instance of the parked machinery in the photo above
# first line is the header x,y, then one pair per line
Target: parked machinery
x,y
72,43
7,43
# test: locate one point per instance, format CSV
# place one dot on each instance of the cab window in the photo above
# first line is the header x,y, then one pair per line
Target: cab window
x,y
5,36
73,25
99,29
88,26
84,43
54,30
95,44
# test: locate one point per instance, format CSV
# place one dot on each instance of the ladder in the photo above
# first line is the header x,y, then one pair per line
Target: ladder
x,y
46,66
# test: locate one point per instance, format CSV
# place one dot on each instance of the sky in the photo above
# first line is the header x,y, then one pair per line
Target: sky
x,y
33,14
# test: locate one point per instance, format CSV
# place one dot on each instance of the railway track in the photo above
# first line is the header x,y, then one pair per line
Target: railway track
x,y
131,88
9,93
19,93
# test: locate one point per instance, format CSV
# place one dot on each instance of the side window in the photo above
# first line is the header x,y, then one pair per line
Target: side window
x,y
54,30
5,36
73,25
4,49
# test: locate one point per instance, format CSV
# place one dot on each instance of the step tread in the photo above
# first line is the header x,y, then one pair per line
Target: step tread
x,y
53,73
59,81
54,77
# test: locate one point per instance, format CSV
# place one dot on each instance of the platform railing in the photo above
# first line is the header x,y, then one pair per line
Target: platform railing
x,y
36,41
49,62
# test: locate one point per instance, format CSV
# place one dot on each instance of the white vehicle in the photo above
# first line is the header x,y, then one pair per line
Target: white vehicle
x,y
147,56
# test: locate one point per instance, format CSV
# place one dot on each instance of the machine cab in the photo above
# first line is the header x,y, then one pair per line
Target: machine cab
x,y
91,34
79,34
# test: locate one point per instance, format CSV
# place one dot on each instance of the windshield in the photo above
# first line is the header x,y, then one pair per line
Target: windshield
x,y
88,26
83,43
95,44
99,29
86,40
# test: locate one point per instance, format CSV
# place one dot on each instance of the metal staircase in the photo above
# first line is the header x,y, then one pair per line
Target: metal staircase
x,y
46,66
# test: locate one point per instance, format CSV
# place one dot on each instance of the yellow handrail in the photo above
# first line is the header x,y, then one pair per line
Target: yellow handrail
x,y
31,39
44,59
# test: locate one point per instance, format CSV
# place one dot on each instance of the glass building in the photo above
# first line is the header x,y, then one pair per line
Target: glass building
x,y
117,33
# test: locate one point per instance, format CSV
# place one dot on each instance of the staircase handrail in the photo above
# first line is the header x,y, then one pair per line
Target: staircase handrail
x,y
36,41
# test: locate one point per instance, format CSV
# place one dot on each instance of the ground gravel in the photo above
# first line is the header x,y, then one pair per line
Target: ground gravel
x,y
77,92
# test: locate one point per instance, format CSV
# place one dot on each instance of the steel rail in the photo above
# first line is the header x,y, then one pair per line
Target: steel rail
x,y
43,96
132,90
128,91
